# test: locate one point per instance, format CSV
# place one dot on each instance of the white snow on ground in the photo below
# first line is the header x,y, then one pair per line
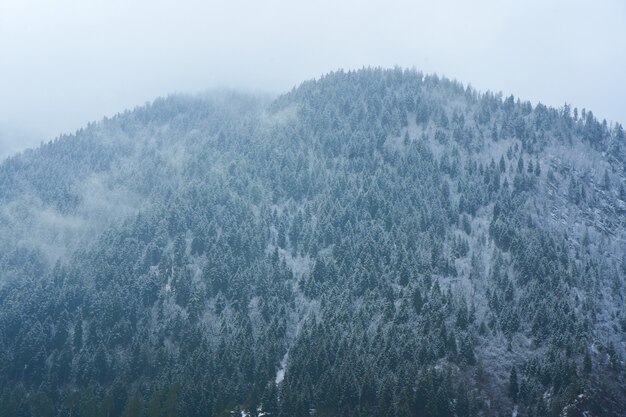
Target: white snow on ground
x,y
280,374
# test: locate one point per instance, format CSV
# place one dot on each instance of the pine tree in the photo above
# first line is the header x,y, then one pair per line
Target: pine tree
x,y
133,407
587,363
513,385
606,181
537,168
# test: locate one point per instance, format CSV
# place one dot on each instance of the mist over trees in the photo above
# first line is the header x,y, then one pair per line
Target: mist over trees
x,y
372,243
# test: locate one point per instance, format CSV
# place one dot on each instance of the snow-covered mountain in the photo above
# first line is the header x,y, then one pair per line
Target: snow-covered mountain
x,y
372,243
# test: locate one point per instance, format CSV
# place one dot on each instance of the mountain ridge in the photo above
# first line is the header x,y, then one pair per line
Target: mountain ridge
x,y
388,242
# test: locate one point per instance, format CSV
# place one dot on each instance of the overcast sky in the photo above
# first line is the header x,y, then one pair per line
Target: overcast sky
x,y
64,63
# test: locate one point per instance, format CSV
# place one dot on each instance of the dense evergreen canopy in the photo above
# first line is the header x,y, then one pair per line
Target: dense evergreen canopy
x,y
372,243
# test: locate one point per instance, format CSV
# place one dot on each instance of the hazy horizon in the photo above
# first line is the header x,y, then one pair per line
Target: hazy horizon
x,y
74,62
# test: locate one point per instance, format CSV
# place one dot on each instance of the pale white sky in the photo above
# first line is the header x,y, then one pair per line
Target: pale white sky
x,y
66,62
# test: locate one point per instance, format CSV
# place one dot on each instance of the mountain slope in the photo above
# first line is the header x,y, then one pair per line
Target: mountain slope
x,y
375,242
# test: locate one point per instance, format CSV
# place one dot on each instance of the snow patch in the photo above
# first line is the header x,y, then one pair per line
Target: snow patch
x,y
280,374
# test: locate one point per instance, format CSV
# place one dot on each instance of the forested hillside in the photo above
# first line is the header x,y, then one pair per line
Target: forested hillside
x,y
372,243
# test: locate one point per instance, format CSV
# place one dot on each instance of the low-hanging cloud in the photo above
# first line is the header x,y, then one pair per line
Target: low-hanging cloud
x,y
69,62
27,222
